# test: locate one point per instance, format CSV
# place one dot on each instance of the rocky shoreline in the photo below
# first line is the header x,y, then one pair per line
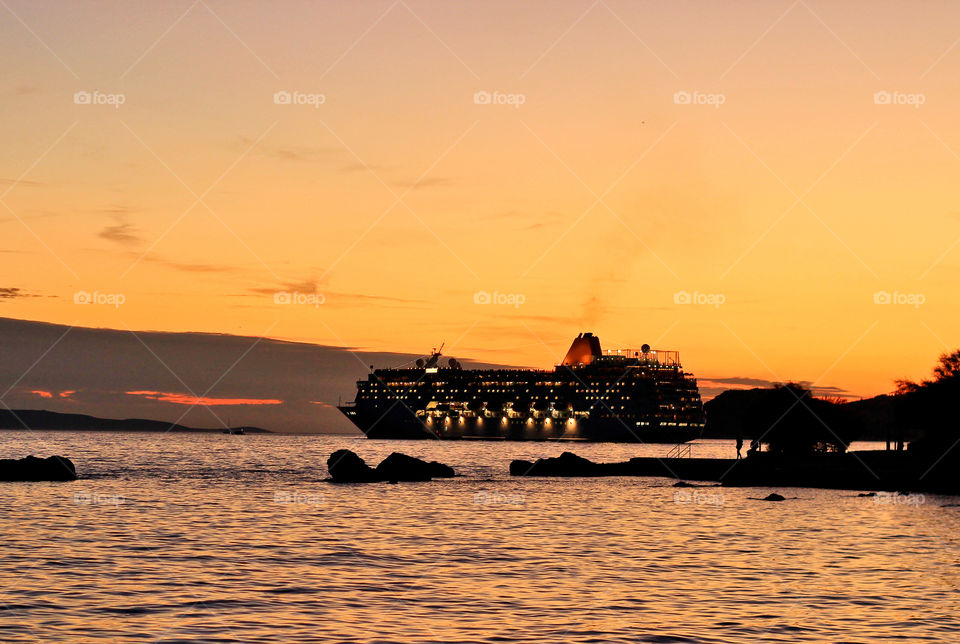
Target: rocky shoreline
x,y
868,470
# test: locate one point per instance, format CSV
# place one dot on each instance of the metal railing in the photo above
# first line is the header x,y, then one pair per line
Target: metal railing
x,y
681,450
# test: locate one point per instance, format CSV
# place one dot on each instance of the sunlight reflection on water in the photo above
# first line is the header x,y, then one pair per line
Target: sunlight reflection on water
x,y
196,537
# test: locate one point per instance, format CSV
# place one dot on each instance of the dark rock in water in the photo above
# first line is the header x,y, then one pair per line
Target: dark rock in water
x,y
520,467
567,464
400,467
31,468
346,467
774,497
867,494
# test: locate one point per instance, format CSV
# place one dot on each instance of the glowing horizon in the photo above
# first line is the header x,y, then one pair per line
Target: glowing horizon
x,y
766,188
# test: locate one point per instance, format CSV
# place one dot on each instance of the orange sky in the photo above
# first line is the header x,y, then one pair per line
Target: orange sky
x,y
787,199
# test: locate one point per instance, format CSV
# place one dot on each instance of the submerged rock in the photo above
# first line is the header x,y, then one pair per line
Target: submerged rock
x,y
346,467
31,468
773,496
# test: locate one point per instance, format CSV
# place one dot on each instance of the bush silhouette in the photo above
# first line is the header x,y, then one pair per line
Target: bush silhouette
x,y
793,422
931,405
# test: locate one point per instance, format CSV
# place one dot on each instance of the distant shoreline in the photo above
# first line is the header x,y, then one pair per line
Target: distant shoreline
x,y
42,420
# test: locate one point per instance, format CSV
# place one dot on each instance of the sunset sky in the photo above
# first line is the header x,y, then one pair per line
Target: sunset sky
x,y
768,187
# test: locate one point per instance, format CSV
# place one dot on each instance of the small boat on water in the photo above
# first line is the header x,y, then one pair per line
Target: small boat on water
x,y
235,431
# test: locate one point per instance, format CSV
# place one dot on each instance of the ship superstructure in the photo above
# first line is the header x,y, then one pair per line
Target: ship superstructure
x,y
623,395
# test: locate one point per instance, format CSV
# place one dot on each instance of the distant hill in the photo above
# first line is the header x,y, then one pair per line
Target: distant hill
x,y
289,387
50,420
727,413
879,418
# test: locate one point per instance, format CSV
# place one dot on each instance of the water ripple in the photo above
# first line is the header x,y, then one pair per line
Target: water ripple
x,y
211,538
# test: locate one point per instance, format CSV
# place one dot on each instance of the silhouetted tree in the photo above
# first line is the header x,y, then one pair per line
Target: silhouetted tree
x,y
931,405
793,422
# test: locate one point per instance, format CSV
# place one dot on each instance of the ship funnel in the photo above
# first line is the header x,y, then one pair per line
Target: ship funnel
x,y
584,349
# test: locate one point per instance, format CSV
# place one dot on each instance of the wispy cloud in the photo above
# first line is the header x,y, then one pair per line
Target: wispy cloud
x,y
311,153
335,159
330,296
43,393
206,401
188,267
304,286
22,183
121,232
20,90
738,381
349,168
719,384
12,293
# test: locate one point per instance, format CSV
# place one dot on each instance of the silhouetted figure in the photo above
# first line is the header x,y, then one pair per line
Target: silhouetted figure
x,y
739,446
754,447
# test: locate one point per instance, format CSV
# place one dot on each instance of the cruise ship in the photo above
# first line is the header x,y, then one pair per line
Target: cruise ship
x,y
620,395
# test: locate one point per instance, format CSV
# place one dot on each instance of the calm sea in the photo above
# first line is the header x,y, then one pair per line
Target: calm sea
x,y
237,538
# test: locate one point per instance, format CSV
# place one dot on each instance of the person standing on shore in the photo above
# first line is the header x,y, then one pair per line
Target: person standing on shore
x,y
739,446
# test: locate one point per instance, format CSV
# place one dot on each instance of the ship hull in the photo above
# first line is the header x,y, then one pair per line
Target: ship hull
x,y
400,423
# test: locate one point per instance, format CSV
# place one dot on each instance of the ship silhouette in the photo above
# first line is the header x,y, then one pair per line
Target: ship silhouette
x,y
622,395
